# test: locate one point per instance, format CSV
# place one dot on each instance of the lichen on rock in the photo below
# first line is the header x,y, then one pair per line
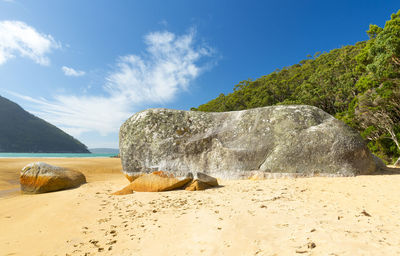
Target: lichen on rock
x,y
295,140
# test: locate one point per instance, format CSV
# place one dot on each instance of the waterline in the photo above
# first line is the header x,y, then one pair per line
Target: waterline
x,y
52,155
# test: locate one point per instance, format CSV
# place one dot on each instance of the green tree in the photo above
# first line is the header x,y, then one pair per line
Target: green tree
x,y
337,82
378,113
384,52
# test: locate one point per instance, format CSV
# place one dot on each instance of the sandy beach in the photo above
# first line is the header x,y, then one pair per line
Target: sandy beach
x,y
288,216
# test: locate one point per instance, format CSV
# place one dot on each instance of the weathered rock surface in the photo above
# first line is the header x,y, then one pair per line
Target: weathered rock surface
x,y
380,165
285,140
132,176
155,182
201,181
164,181
41,178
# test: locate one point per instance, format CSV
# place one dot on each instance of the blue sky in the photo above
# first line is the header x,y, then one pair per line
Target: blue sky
x,y
86,66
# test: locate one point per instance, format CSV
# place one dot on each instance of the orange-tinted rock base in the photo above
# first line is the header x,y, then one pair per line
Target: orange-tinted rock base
x,y
197,185
154,182
31,183
131,178
164,181
43,184
125,191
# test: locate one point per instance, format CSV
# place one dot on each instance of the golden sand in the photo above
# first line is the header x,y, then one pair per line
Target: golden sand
x,y
93,168
291,216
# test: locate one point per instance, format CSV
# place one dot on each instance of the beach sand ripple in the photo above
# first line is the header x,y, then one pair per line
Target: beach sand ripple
x,y
303,216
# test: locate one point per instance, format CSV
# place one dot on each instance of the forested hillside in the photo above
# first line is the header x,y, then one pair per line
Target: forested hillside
x,y
359,84
21,131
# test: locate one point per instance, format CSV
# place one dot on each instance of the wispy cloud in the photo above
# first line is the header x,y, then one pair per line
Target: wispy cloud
x,y
167,67
72,72
163,23
17,38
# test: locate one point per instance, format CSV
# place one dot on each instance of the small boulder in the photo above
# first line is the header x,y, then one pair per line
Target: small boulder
x,y
41,178
201,181
155,182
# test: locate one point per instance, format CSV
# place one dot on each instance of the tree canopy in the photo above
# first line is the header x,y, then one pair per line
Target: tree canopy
x,y
346,82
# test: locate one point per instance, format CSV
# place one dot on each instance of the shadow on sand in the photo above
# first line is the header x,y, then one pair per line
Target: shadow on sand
x,y
388,170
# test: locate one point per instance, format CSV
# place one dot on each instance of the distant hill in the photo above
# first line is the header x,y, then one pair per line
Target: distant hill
x,y
21,131
358,84
104,150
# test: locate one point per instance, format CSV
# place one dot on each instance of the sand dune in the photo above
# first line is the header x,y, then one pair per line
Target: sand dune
x,y
303,216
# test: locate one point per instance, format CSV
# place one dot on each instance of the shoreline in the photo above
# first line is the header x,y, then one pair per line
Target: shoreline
x,y
337,215
94,168
10,168
341,216
58,157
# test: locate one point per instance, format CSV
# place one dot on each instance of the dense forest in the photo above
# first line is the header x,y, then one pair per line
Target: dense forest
x,y
21,131
358,84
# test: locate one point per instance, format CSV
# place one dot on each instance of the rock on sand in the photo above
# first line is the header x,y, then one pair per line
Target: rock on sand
x,y
41,178
164,181
290,140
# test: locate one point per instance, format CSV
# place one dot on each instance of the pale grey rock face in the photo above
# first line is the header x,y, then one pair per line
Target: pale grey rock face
x,y
293,140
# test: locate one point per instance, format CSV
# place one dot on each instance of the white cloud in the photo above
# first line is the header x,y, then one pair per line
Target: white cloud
x,y
17,38
72,72
168,66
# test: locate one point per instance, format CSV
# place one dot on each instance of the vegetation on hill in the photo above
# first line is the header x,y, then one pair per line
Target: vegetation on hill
x,y
359,84
21,131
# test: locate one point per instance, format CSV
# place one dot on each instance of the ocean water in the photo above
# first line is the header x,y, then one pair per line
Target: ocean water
x,y
49,155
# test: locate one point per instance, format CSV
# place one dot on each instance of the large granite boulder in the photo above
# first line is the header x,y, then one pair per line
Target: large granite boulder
x,y
41,178
294,140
